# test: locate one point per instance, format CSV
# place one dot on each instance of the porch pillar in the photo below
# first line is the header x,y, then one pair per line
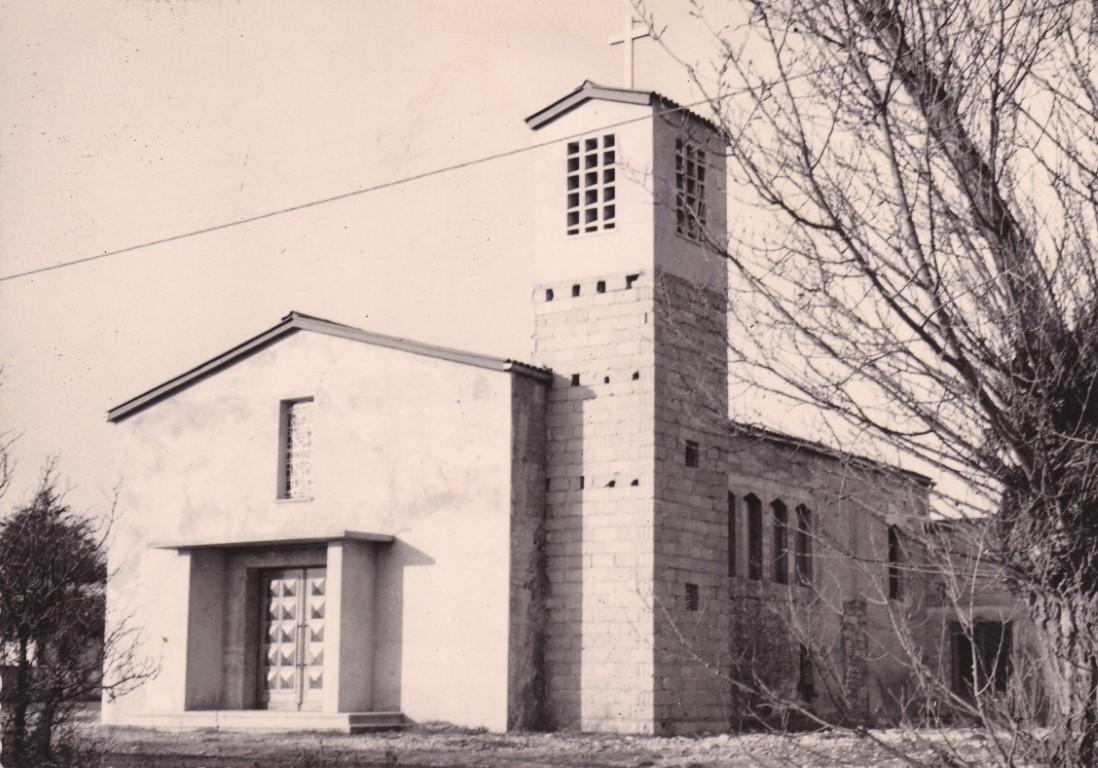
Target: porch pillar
x,y
349,645
205,629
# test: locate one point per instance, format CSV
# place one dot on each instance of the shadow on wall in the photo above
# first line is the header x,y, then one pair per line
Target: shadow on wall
x,y
564,549
389,621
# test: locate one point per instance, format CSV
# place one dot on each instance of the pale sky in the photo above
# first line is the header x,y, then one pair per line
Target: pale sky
x,y
128,121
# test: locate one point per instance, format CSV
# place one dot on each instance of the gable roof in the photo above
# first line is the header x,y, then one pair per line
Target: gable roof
x,y
590,90
298,321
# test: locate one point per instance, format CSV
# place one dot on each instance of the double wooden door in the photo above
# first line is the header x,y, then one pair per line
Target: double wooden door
x,y
291,642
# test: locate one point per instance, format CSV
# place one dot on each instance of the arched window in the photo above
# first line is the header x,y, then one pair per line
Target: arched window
x,y
803,546
895,559
754,537
781,542
731,534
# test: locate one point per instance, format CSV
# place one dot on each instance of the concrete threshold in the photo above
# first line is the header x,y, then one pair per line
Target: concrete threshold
x,y
266,720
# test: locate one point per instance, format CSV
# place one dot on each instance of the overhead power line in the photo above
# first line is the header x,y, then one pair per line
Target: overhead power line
x,y
336,198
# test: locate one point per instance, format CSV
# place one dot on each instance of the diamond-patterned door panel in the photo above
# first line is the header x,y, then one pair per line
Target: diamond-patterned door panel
x,y
313,635
292,638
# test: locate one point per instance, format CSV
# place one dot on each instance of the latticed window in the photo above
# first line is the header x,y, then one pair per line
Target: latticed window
x,y
297,449
592,179
689,189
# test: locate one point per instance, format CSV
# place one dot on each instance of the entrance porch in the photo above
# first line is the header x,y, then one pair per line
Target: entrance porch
x,y
280,634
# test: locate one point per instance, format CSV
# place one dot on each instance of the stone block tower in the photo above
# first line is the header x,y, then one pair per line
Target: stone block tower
x,y
631,316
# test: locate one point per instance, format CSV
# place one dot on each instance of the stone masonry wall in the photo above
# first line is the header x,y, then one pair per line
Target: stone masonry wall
x,y
843,615
597,336
629,645
692,634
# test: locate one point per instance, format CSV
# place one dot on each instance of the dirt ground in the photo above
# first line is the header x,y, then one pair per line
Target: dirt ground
x,y
445,747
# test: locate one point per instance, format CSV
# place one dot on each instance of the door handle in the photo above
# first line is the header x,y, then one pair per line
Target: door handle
x,y
300,660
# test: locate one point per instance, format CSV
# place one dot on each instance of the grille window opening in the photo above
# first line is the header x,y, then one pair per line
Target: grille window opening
x,y
591,187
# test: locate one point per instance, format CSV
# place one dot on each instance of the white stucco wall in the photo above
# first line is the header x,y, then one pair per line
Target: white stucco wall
x,y
626,248
405,445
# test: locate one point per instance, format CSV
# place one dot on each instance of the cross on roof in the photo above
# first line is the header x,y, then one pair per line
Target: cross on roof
x,y
626,38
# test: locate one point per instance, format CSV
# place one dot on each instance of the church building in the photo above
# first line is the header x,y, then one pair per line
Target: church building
x,y
327,527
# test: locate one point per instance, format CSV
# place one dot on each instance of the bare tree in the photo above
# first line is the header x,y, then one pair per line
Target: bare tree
x,y
928,277
52,579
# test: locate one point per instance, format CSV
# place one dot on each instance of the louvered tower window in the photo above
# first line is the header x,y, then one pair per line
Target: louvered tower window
x,y
689,190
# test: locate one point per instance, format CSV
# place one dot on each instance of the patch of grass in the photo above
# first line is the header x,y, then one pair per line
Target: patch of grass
x,y
440,745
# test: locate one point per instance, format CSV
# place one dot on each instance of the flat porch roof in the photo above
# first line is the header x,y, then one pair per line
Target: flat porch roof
x,y
290,540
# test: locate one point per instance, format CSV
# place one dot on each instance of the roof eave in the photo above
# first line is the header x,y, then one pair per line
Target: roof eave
x,y
828,452
201,371
296,321
590,90
583,94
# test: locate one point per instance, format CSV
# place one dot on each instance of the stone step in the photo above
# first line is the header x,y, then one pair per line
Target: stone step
x,y
363,722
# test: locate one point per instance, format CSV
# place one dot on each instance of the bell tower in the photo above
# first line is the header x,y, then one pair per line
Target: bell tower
x,y
631,317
